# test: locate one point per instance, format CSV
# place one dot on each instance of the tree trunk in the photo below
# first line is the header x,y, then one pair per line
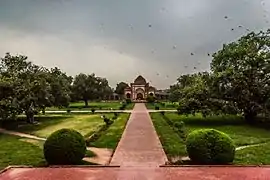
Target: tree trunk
x,y
86,102
250,116
30,117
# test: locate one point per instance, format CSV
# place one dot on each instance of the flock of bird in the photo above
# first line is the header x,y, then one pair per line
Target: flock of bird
x,y
226,18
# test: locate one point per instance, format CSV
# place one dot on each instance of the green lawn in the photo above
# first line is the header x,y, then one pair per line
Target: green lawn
x,y
96,105
22,151
111,137
234,126
86,124
162,105
17,151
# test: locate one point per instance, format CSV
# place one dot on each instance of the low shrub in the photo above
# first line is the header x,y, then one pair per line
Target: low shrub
x,y
162,113
150,99
68,111
107,121
64,147
93,110
114,117
156,107
128,101
115,114
180,129
209,146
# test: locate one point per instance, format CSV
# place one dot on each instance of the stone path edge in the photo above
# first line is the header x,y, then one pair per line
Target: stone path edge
x,y
205,166
119,140
55,166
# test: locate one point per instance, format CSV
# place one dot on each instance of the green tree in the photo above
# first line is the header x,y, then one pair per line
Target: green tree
x,y
85,87
103,88
120,88
60,87
26,87
242,71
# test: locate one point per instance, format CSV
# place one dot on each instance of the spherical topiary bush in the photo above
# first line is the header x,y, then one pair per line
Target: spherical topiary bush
x,y
65,146
209,146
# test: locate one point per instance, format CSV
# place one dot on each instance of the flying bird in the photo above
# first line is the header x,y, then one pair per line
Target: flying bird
x,y
191,54
150,25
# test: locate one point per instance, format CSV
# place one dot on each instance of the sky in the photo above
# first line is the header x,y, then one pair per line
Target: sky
x,y
121,39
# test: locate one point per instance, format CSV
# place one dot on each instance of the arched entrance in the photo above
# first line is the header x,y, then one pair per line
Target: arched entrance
x,y
139,96
151,94
128,95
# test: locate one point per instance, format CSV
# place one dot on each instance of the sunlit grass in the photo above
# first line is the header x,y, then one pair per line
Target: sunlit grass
x,y
115,105
234,126
85,124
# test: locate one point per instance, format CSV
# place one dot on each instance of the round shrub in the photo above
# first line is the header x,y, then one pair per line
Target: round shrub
x,y
209,146
64,147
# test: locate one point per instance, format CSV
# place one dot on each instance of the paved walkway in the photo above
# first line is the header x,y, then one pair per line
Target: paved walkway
x,y
139,173
109,111
139,145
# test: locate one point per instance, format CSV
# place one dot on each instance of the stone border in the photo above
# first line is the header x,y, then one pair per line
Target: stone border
x,y
59,166
227,166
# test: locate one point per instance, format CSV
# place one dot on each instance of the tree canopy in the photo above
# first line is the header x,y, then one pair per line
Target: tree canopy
x,y
237,83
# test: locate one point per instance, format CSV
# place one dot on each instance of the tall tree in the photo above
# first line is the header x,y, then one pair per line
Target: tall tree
x,y
242,71
85,87
60,87
120,88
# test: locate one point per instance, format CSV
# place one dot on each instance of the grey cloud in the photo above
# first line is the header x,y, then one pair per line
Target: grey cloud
x,y
123,38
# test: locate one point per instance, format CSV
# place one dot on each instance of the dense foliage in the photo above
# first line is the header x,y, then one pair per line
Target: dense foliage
x,y
28,88
120,88
238,82
65,147
209,146
89,87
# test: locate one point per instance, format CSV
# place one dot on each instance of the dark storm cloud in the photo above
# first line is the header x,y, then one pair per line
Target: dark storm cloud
x,y
154,38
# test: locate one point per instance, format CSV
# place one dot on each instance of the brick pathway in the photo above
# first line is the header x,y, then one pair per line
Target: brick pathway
x,y
139,145
113,173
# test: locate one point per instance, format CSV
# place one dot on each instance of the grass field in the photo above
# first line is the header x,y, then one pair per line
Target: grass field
x,y
111,137
22,151
17,151
162,105
234,126
85,124
115,105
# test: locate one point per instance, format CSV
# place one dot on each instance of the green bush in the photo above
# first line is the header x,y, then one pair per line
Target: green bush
x,y
209,146
115,114
156,107
68,111
128,101
180,129
150,99
162,113
93,110
64,147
